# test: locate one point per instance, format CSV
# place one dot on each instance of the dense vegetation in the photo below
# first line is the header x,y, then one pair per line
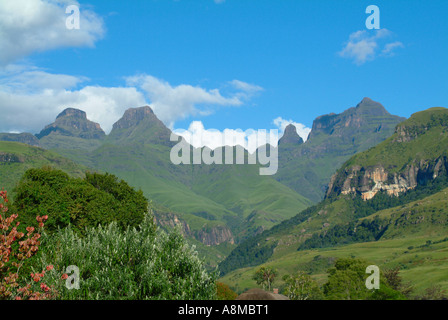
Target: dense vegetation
x,y
135,264
258,249
88,202
89,253
363,230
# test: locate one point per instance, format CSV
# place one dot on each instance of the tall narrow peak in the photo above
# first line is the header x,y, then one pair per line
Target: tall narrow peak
x,y
290,136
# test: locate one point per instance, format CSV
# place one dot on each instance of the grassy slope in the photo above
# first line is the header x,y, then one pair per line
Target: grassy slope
x,y
404,244
308,168
32,157
203,194
394,156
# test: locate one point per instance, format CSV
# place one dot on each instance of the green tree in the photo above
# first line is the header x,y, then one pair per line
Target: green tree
x,y
265,276
96,199
301,287
393,279
223,292
346,281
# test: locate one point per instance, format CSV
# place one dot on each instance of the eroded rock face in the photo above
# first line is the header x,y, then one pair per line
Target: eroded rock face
x,y
215,236
369,181
208,236
10,158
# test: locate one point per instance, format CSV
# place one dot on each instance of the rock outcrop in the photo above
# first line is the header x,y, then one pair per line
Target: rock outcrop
x,y
209,236
290,136
416,154
215,235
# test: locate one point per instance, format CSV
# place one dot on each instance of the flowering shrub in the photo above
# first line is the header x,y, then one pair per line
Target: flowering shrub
x,y
15,248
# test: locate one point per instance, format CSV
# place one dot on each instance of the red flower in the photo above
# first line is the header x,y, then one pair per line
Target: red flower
x,y
50,267
64,276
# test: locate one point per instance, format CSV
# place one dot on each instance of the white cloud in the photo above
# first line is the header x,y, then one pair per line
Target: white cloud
x,y
363,45
172,103
251,139
31,98
302,130
28,26
389,49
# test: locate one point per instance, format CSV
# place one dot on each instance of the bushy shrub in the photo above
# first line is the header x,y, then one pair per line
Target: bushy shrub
x,y
136,264
223,292
96,199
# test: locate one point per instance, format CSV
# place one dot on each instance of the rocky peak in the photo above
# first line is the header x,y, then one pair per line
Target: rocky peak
x,y
133,116
140,125
290,136
73,123
72,112
367,115
368,106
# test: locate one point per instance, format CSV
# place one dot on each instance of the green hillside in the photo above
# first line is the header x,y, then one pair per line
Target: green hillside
x,y
332,221
413,237
16,158
334,138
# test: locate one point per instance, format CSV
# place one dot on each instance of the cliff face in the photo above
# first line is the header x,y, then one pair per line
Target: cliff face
x,y
215,236
10,158
209,236
415,154
369,181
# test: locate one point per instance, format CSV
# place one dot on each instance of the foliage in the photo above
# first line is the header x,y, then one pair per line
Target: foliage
x,y
96,199
394,280
434,292
134,264
265,276
301,287
252,253
14,253
223,292
346,281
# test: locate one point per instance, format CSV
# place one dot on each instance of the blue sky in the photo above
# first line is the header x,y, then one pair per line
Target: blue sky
x,y
228,64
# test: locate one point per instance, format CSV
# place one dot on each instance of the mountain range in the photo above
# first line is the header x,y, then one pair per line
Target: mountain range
x,y
217,206
387,204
